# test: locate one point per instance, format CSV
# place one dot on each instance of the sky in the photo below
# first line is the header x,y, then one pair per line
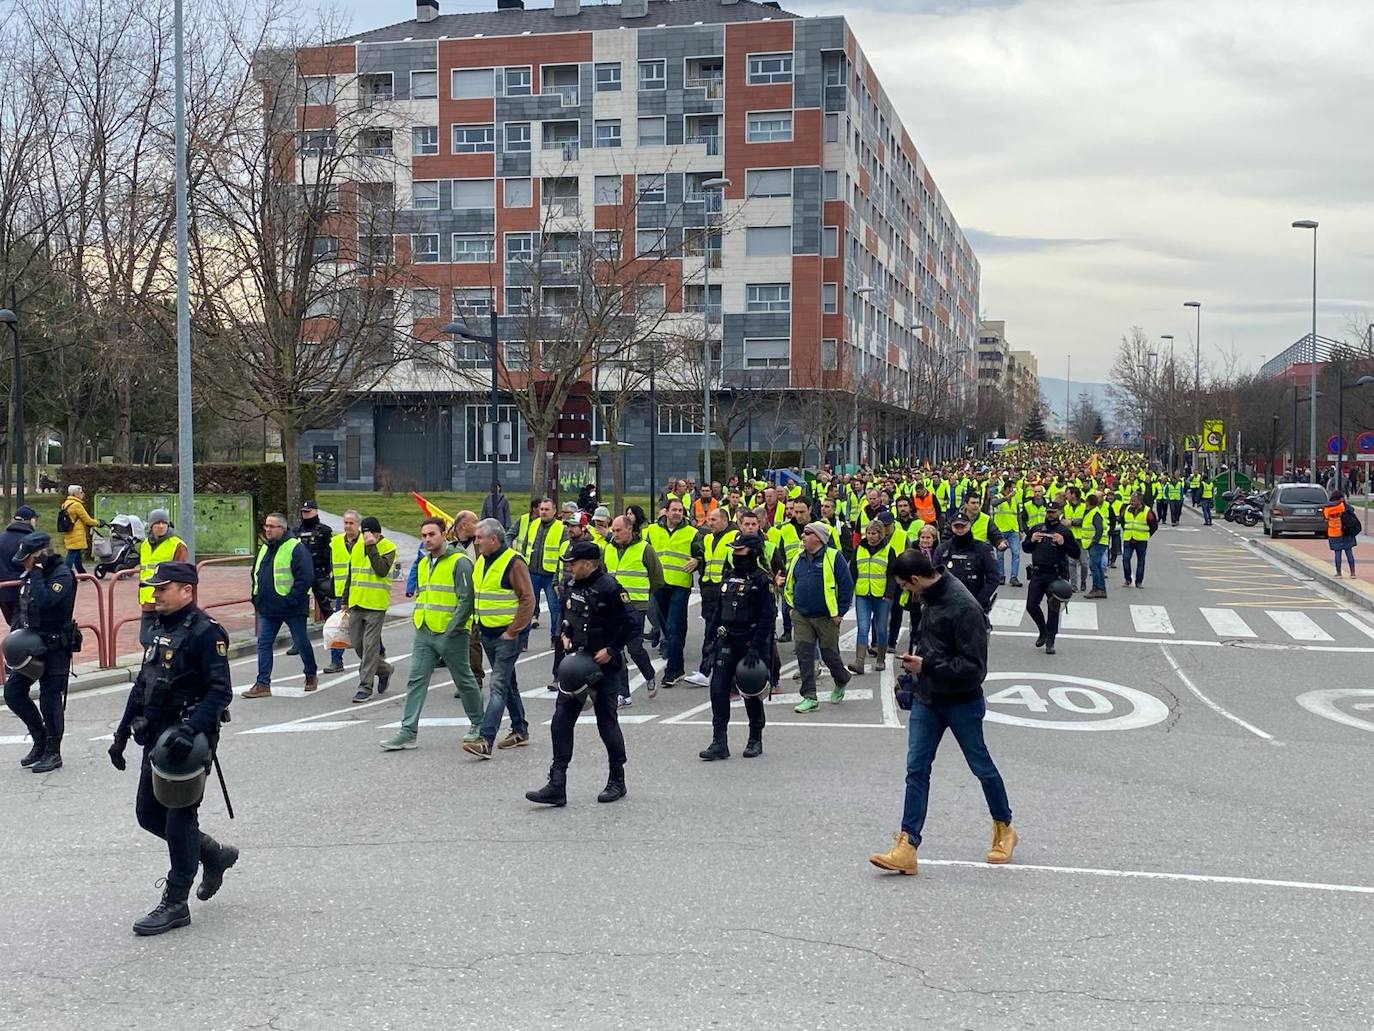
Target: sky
x,y
1111,159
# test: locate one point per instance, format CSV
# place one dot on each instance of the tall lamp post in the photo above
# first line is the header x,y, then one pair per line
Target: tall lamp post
x,y
718,183
457,329
1307,223
1197,382
186,494
9,318
865,292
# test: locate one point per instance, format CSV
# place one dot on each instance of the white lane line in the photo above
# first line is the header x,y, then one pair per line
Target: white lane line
x,y
887,686
434,721
298,728
1297,625
1008,612
1155,875
786,723
1151,619
1347,649
851,694
683,717
621,717
1079,615
18,739
1358,624
1227,623
1188,683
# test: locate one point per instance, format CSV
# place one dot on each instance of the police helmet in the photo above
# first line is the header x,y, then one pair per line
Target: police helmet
x,y
24,652
577,673
180,785
751,676
1061,589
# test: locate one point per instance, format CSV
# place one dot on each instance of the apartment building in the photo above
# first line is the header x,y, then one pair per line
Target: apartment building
x,y
771,177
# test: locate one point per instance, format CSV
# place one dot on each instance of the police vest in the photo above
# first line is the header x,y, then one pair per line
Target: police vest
x,y
718,550
870,580
149,557
167,697
338,554
674,550
493,605
1135,526
367,590
436,595
281,568
629,570
832,596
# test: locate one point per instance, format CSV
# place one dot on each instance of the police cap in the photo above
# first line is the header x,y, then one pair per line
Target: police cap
x,y
583,550
31,543
173,573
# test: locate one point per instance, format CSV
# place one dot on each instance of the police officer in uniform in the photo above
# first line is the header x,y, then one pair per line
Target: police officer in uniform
x,y
183,687
972,562
1051,546
318,540
596,622
47,597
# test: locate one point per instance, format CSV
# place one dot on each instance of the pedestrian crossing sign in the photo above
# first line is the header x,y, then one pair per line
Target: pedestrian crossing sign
x,y
1213,435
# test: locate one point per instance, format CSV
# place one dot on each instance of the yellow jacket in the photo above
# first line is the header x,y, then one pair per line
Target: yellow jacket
x,y
75,539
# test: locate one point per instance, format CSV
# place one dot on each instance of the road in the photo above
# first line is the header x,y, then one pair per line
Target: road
x,y
1189,775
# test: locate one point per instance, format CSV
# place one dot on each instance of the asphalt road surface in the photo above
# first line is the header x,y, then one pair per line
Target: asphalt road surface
x,y
1190,777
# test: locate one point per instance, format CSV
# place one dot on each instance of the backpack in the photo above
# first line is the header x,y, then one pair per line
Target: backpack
x,y
1350,524
64,520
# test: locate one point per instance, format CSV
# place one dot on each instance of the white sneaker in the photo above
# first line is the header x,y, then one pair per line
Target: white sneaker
x,y
698,678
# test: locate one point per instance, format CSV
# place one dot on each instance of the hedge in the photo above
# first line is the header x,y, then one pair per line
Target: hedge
x,y
265,481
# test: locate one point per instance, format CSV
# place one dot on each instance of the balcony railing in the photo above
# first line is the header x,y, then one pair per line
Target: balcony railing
x,y
714,85
569,93
570,148
564,206
712,144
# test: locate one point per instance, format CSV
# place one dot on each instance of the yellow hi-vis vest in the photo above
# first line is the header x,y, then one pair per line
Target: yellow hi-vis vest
x,y
629,569
871,578
149,557
281,568
493,605
790,539
1135,526
367,590
979,527
718,553
338,554
832,595
1004,513
436,595
674,551
553,545
1079,511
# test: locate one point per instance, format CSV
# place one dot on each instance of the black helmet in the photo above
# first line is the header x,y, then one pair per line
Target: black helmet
x,y
751,676
24,652
1061,589
180,785
578,672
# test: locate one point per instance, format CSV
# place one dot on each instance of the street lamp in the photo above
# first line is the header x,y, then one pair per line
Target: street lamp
x,y
1197,383
461,331
1307,223
9,318
718,183
859,291
1297,401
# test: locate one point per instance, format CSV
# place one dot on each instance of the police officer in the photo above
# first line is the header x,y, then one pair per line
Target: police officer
x,y
318,539
596,622
47,597
183,686
972,562
1051,547
747,611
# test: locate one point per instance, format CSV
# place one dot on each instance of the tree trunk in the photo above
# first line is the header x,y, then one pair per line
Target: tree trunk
x,y
290,449
123,434
539,436
611,423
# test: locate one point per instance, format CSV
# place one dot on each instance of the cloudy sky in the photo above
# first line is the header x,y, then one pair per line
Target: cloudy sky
x,y
1111,159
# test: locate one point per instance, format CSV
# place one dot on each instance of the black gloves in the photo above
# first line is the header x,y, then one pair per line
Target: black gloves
x,y
180,744
121,739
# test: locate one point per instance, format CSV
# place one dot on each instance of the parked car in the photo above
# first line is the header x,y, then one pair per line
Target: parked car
x,y
1295,508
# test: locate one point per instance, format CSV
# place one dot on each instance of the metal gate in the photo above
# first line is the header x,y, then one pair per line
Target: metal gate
x,y
414,448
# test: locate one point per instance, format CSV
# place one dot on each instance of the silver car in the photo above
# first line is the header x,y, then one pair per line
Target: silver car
x,y
1295,508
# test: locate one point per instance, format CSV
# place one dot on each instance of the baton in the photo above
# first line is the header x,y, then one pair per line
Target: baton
x,y
214,757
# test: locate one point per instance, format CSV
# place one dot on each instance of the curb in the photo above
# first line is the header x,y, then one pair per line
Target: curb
x,y
1306,565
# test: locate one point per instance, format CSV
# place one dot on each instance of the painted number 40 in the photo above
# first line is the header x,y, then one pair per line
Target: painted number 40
x,y
1060,702
1082,700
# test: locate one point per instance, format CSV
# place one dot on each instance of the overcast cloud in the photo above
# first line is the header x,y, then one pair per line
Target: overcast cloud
x,y
1111,159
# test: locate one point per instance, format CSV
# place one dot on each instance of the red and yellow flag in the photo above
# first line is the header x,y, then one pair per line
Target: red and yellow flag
x,y
431,509
1094,466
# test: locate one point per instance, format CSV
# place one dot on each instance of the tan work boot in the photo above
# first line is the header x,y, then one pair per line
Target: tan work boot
x,y
901,858
259,691
880,663
1004,839
860,657
312,683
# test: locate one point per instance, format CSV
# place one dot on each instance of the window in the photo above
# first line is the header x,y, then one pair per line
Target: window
x,y
651,297
375,142
470,303
768,297
375,88
606,244
519,248
831,186
653,75
472,248
649,242
424,139
517,136
474,82
477,432
469,354
517,303
424,248
694,298
469,194
555,300
518,193
767,241
375,251
608,189
830,358
424,303
353,456
326,248
832,128
653,131
830,298
424,195
769,69
675,420
608,132
424,85
320,89
767,353
652,189
830,242
769,127
608,77
314,142
518,82
834,70
768,182
474,139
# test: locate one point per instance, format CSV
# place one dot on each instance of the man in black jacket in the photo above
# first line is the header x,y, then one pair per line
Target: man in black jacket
x,y
948,666
1051,546
972,562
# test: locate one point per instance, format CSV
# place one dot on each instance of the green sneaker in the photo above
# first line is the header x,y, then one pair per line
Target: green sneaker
x,y
836,696
807,705
400,742
472,735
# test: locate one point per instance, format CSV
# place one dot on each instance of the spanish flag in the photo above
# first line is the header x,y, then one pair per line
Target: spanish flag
x,y
1094,466
431,509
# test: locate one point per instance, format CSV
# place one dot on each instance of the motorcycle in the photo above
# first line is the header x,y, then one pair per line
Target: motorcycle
x,y
1245,509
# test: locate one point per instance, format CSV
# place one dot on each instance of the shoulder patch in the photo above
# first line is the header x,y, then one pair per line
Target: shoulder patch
x,y
625,596
222,649
56,587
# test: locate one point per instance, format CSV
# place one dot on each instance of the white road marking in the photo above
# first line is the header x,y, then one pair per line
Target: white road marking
x,y
434,721
887,687
1297,625
1188,683
1151,619
299,728
1008,612
1358,624
1323,703
683,717
1154,875
1079,615
784,723
1227,623
851,694
621,717
19,739
1348,649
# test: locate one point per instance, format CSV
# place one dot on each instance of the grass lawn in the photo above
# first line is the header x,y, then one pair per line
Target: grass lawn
x,y
400,511
46,507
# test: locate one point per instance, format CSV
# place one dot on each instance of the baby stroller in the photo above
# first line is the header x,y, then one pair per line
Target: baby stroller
x,y
119,550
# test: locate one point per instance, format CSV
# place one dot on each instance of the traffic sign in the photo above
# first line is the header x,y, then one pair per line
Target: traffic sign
x,y
1335,445
1364,443
1059,702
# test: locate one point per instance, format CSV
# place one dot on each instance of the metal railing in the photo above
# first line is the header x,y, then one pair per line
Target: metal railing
x,y
712,144
570,94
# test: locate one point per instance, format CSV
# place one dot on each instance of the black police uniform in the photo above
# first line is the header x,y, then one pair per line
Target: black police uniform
x,y
47,598
747,612
1047,564
974,564
184,680
316,537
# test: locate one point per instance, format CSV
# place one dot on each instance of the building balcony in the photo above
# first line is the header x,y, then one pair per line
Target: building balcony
x,y
711,143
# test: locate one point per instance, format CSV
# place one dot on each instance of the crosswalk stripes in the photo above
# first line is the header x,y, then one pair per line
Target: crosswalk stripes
x,y
1227,623
1358,624
1151,619
1079,615
1298,625
1008,612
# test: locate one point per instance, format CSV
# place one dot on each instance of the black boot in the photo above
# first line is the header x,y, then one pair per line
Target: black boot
x,y
170,913
719,749
753,748
214,860
1040,641
50,760
40,745
615,786
1049,646
555,792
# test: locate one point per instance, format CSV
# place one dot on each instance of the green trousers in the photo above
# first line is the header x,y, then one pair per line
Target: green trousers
x,y
427,650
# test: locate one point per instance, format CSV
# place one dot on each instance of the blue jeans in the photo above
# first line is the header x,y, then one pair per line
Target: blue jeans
x,y
926,728
268,628
74,561
870,612
544,583
1014,550
1134,549
505,692
672,608
1097,565
1206,511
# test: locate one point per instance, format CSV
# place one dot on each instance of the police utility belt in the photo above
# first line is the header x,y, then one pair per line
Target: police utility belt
x,y
68,639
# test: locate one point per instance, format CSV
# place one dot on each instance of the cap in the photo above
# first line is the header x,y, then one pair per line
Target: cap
x,y
884,517
570,506
602,512
752,541
820,529
159,515
372,524
24,512
577,519
581,550
30,543
309,505
1054,503
959,517
174,573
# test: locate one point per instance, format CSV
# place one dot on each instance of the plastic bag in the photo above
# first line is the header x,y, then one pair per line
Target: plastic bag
x,y
336,631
